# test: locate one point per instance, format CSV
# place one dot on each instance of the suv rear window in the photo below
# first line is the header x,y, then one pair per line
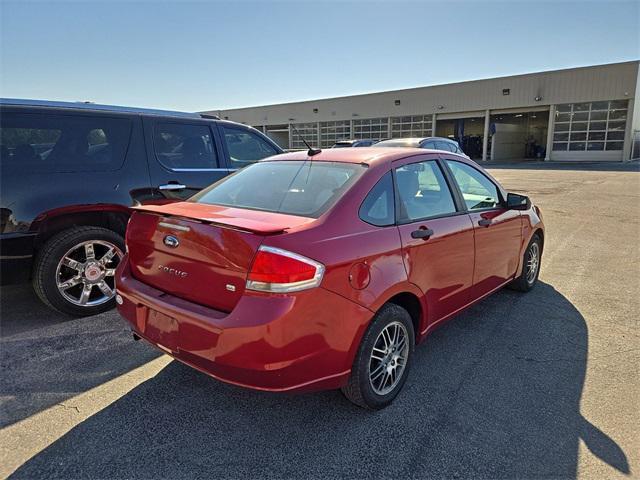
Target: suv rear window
x,y
63,143
301,188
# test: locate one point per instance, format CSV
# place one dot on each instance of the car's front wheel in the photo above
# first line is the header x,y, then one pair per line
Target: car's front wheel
x,y
383,359
74,271
530,266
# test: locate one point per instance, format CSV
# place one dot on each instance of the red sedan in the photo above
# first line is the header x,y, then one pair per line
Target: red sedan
x,y
304,273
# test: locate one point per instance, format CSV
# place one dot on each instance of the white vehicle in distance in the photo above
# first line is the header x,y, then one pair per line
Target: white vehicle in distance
x,y
432,143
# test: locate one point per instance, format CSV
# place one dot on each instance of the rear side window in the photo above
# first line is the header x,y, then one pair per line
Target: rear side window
x,y
301,188
378,207
245,147
181,146
446,146
63,143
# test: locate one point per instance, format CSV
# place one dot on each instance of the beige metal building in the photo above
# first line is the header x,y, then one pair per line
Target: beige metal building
x,y
587,113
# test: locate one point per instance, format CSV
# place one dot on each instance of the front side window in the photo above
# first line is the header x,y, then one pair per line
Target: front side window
x,y
245,147
378,206
303,188
423,192
63,143
477,190
183,146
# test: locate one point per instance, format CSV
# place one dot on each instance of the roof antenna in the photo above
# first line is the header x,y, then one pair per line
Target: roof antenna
x,y
312,151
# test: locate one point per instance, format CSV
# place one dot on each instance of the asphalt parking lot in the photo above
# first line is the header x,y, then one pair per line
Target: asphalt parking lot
x,y
535,385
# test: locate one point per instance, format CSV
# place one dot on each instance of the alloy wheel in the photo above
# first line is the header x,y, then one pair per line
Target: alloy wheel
x,y
533,262
388,358
85,275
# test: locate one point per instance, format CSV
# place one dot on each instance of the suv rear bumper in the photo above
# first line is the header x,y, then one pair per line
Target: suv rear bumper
x,y
298,342
16,257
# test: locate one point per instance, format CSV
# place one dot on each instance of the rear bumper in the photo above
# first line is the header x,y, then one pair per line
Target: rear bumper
x,y
16,257
299,342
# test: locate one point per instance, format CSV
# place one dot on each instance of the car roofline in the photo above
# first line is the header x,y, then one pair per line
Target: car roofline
x,y
369,156
95,107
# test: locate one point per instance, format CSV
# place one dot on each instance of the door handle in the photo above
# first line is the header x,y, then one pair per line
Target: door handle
x,y
172,186
423,233
484,222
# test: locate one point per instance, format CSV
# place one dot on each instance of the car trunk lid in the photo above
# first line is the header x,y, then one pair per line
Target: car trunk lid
x,y
200,252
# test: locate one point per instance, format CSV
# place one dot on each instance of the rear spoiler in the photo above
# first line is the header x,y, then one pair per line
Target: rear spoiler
x,y
203,213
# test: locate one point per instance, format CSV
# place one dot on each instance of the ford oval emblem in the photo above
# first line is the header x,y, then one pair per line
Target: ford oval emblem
x,y
171,241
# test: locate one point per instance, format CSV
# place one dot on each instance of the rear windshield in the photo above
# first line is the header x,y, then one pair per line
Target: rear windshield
x,y
303,188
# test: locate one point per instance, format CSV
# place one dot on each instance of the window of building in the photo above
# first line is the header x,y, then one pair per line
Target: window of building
x,y
308,131
63,143
333,132
590,126
181,145
411,126
373,128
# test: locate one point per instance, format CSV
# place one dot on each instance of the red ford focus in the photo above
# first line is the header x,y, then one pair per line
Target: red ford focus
x,y
305,273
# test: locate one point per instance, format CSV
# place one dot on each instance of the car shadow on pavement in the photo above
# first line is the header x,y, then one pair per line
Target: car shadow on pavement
x,y
495,393
47,357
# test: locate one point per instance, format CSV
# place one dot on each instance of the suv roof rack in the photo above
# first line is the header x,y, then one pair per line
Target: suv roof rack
x,y
209,116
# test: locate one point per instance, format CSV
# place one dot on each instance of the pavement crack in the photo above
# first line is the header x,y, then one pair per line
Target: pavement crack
x,y
551,360
69,407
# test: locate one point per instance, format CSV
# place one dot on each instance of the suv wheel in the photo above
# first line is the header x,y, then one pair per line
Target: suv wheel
x,y
74,271
382,363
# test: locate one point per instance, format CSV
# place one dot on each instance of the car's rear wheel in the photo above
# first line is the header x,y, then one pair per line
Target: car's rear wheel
x,y
74,271
530,266
383,359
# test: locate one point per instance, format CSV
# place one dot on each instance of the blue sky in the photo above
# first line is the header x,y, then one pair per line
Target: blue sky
x,y
210,55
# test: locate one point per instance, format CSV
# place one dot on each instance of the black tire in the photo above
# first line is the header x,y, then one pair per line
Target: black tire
x,y
522,283
359,389
51,253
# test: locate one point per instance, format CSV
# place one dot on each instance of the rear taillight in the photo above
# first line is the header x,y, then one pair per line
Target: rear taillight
x,y
279,271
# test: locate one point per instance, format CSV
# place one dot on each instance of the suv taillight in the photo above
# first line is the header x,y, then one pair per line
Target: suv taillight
x,y
280,271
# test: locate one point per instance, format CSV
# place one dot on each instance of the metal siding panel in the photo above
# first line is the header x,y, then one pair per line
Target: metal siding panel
x,y
602,82
585,156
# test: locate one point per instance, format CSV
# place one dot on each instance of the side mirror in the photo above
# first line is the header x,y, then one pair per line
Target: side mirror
x,y
518,202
